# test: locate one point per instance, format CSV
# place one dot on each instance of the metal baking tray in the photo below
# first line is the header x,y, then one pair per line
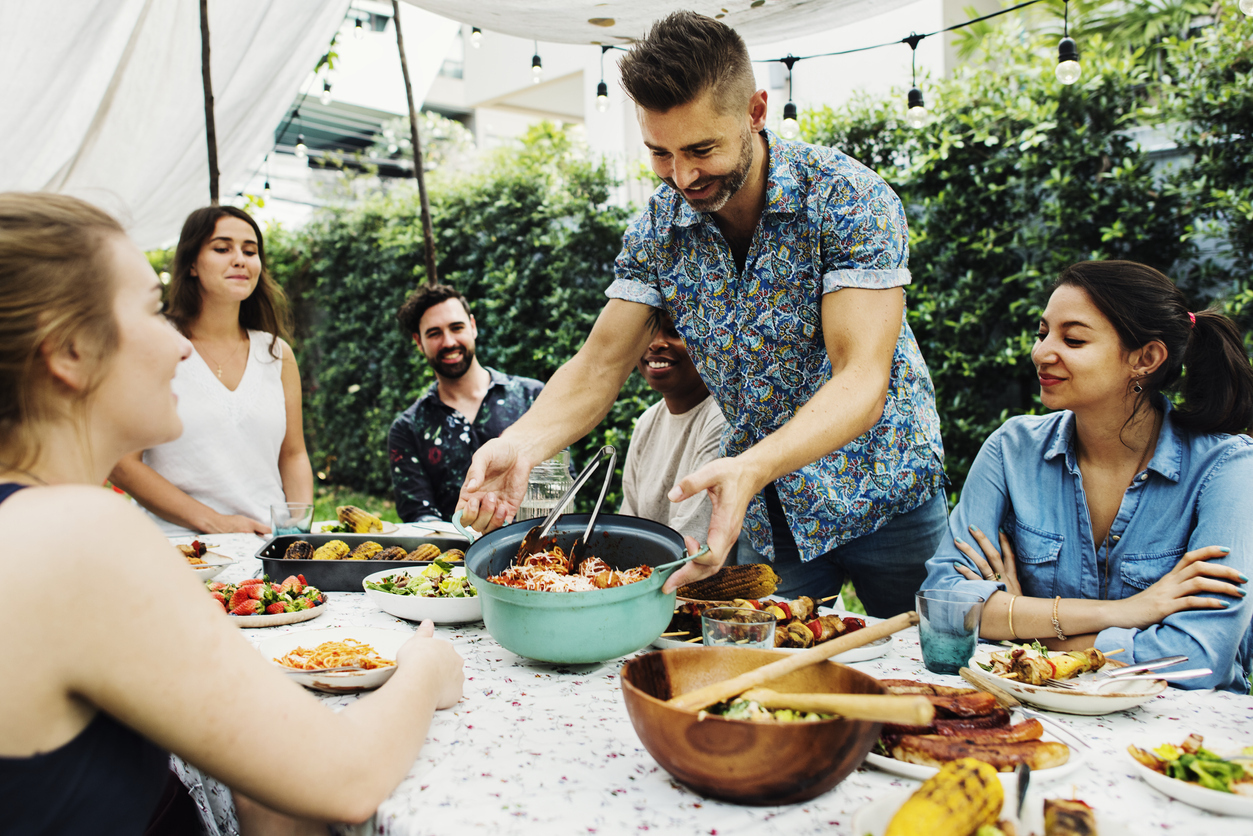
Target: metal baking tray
x,y
345,575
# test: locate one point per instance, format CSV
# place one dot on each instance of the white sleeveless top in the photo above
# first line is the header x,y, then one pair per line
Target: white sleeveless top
x,y
227,456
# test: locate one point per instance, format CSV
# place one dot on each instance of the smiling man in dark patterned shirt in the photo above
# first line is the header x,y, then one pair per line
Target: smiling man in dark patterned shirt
x,y
431,443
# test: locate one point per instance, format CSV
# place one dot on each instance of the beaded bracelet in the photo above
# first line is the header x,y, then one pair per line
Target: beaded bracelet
x,y
1012,599
1057,625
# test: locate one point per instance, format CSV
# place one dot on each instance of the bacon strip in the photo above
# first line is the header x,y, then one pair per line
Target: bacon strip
x,y
937,750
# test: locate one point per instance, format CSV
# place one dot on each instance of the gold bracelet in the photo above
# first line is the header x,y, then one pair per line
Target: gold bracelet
x,y
1057,625
1012,599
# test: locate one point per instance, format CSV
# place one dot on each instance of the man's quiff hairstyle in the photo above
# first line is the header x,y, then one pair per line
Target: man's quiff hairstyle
x,y
684,55
422,300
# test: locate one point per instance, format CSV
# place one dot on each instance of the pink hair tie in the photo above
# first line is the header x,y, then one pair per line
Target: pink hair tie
x,y
1192,319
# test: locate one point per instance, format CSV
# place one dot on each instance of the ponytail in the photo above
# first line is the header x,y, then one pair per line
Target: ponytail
x,y
1217,386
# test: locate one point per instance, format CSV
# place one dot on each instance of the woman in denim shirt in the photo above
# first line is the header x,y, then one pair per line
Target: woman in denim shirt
x,y
1124,522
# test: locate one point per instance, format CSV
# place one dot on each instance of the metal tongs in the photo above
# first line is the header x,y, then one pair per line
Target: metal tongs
x,y
534,540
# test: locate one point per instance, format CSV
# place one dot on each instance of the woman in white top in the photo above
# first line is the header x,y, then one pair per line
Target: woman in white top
x,y
243,445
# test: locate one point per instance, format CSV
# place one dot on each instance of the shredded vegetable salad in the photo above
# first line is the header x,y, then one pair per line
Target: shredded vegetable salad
x,y
434,581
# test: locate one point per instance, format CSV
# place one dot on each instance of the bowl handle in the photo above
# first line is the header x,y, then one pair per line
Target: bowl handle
x,y
675,564
468,533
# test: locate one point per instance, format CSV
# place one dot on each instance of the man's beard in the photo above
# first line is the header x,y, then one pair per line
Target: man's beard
x,y
454,371
730,183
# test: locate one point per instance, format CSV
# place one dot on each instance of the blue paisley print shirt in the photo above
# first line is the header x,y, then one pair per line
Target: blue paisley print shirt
x,y
756,337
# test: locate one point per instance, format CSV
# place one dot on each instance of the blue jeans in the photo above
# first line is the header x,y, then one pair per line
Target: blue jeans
x,y
887,567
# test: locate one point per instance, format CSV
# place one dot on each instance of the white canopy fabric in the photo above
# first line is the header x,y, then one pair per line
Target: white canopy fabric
x,y
626,21
103,99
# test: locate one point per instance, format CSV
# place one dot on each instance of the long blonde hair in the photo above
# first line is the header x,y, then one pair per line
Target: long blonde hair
x,y
56,291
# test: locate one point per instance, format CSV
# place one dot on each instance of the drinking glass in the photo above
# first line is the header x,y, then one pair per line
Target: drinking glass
x,y
291,518
738,627
948,628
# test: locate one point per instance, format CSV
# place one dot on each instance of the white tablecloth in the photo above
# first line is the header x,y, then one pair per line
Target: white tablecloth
x,y
539,748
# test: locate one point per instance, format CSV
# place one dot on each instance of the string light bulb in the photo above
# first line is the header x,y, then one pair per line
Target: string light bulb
x,y
325,98
916,115
358,29
537,66
602,97
302,150
791,128
265,190
476,36
1246,6
1068,69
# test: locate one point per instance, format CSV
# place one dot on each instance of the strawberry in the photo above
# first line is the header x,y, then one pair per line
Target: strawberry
x,y
219,597
217,586
292,585
302,580
248,607
238,598
251,582
276,608
256,591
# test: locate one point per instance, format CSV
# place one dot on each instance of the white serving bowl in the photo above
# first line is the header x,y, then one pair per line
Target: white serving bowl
x,y
417,608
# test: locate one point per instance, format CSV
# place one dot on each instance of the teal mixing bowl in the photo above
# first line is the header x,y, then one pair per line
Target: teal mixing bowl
x,y
580,627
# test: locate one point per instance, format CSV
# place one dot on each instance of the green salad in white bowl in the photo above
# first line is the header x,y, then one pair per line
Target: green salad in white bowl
x,y
440,592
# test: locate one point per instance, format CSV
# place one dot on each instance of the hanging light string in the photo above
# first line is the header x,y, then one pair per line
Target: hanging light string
x,y
602,89
791,128
1068,68
916,108
537,65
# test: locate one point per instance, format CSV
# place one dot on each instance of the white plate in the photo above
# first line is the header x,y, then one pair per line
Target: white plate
x,y
213,565
417,608
873,818
921,773
385,642
1206,799
1106,701
247,622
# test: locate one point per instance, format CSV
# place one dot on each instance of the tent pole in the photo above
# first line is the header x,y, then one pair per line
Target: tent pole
x,y
428,233
210,130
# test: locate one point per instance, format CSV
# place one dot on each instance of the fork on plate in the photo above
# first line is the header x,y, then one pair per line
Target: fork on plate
x,y
1125,670
1097,684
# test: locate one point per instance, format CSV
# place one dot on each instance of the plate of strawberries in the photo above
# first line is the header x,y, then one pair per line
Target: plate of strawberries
x,y
258,602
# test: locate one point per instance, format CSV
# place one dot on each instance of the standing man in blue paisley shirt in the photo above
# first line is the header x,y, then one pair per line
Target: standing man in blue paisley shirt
x,y
782,265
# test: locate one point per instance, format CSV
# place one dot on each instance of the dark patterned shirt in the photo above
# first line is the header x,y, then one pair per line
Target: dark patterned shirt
x,y
430,444
756,334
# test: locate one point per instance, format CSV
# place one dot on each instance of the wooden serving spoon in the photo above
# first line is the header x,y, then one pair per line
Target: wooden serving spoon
x,y
728,688
877,708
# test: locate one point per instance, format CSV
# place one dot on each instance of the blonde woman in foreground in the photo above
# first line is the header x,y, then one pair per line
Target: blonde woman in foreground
x,y
115,655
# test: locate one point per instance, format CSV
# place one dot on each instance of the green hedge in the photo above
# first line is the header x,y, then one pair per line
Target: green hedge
x,y
530,241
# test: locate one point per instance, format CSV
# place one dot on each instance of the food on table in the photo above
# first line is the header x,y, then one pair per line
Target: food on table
x,y
968,723
426,551
750,580
742,709
258,596
1193,763
1068,817
451,556
391,553
335,654
334,550
358,521
194,553
1036,668
797,622
299,550
553,571
364,551
434,581
961,797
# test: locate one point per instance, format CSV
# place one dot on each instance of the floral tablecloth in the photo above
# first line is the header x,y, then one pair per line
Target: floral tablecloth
x,y
539,748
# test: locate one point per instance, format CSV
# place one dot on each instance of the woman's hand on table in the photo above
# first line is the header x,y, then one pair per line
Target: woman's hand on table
x,y
232,524
494,487
441,663
993,565
1185,587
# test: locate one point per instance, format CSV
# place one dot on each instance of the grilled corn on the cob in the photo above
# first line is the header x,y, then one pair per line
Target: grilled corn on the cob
x,y
426,551
956,801
365,551
750,580
299,550
453,556
391,553
334,550
361,522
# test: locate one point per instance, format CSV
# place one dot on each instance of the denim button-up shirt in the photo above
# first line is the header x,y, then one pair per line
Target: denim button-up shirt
x,y
756,336
1196,491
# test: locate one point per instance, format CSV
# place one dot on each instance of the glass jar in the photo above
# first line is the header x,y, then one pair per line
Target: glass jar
x,y
549,482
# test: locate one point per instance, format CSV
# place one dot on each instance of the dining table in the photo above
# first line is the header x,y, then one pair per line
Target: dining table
x,y
538,748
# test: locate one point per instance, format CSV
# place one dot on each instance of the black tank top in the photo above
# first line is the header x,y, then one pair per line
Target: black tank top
x,y
107,780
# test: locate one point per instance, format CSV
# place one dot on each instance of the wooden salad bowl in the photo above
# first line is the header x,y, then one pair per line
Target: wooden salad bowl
x,y
736,760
